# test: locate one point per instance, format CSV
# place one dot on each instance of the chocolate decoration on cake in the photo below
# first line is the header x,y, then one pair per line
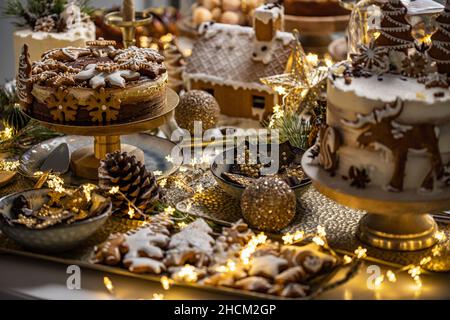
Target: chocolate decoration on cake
x,y
381,128
95,85
63,105
371,58
359,177
416,65
395,31
330,141
440,50
24,78
103,107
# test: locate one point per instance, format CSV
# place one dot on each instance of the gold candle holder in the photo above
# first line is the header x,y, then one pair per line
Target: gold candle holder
x,y
115,19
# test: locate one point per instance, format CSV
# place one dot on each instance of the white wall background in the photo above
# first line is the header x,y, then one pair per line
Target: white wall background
x,y
6,29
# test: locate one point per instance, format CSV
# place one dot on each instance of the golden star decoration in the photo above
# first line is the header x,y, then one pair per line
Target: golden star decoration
x,y
301,83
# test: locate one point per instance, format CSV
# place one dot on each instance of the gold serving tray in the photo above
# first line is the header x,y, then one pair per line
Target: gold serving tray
x,y
82,256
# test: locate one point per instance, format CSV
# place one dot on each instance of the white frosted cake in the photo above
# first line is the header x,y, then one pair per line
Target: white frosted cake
x,y
40,42
69,28
392,127
388,122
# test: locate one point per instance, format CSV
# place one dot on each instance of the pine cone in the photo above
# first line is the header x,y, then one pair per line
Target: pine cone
x,y
44,24
134,181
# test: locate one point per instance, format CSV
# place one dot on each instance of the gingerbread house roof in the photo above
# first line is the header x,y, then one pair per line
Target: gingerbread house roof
x,y
223,55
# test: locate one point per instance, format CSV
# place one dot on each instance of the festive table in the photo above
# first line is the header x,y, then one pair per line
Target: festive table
x,y
178,233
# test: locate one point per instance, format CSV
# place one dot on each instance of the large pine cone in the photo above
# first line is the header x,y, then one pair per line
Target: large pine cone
x,y
134,181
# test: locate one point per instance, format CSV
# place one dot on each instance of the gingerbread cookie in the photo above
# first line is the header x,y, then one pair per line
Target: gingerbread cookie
x,y
239,233
139,245
193,244
309,257
256,284
267,266
292,290
144,265
295,274
110,252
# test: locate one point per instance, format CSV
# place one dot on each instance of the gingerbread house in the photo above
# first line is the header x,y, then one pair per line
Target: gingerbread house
x,y
229,61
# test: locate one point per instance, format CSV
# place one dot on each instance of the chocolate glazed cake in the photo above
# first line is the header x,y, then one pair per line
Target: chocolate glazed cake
x,y
97,85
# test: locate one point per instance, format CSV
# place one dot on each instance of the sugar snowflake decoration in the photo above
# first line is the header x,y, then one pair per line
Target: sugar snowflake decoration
x,y
101,75
145,61
103,107
371,58
63,105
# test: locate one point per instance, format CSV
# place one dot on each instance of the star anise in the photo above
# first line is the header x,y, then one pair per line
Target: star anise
x,y
414,66
371,58
359,177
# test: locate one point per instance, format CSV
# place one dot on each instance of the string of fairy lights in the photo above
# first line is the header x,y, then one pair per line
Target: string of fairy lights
x,y
189,273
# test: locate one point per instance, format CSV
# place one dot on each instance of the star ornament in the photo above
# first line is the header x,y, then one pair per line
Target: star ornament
x,y
295,90
299,82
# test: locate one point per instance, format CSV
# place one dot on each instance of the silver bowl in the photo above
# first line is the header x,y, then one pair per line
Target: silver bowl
x,y
55,239
235,190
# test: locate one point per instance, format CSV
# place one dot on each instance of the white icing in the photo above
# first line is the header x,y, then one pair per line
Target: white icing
x,y
226,82
139,245
392,88
40,42
101,79
196,235
208,30
84,31
399,130
268,12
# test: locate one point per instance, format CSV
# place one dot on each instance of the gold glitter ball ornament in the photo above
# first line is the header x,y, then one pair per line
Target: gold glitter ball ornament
x,y
269,204
197,105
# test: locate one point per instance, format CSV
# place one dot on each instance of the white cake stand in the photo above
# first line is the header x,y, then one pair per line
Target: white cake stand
x,y
396,221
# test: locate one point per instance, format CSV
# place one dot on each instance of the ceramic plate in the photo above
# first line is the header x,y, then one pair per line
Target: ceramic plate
x,y
155,150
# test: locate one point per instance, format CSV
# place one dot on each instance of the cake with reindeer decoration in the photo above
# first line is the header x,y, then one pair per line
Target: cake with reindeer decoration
x,y
388,121
96,85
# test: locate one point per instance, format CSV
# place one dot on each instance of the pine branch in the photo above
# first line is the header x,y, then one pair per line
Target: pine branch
x,y
33,133
26,12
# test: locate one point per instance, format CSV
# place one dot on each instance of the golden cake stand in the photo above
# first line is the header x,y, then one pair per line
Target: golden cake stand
x,y
396,221
85,161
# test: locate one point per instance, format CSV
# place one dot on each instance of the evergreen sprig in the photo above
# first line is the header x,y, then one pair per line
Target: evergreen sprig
x,y
33,133
27,12
293,128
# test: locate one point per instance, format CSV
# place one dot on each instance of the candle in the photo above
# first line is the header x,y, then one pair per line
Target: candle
x,y
128,11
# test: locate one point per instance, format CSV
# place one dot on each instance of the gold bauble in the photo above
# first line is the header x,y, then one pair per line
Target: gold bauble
x,y
269,204
197,105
